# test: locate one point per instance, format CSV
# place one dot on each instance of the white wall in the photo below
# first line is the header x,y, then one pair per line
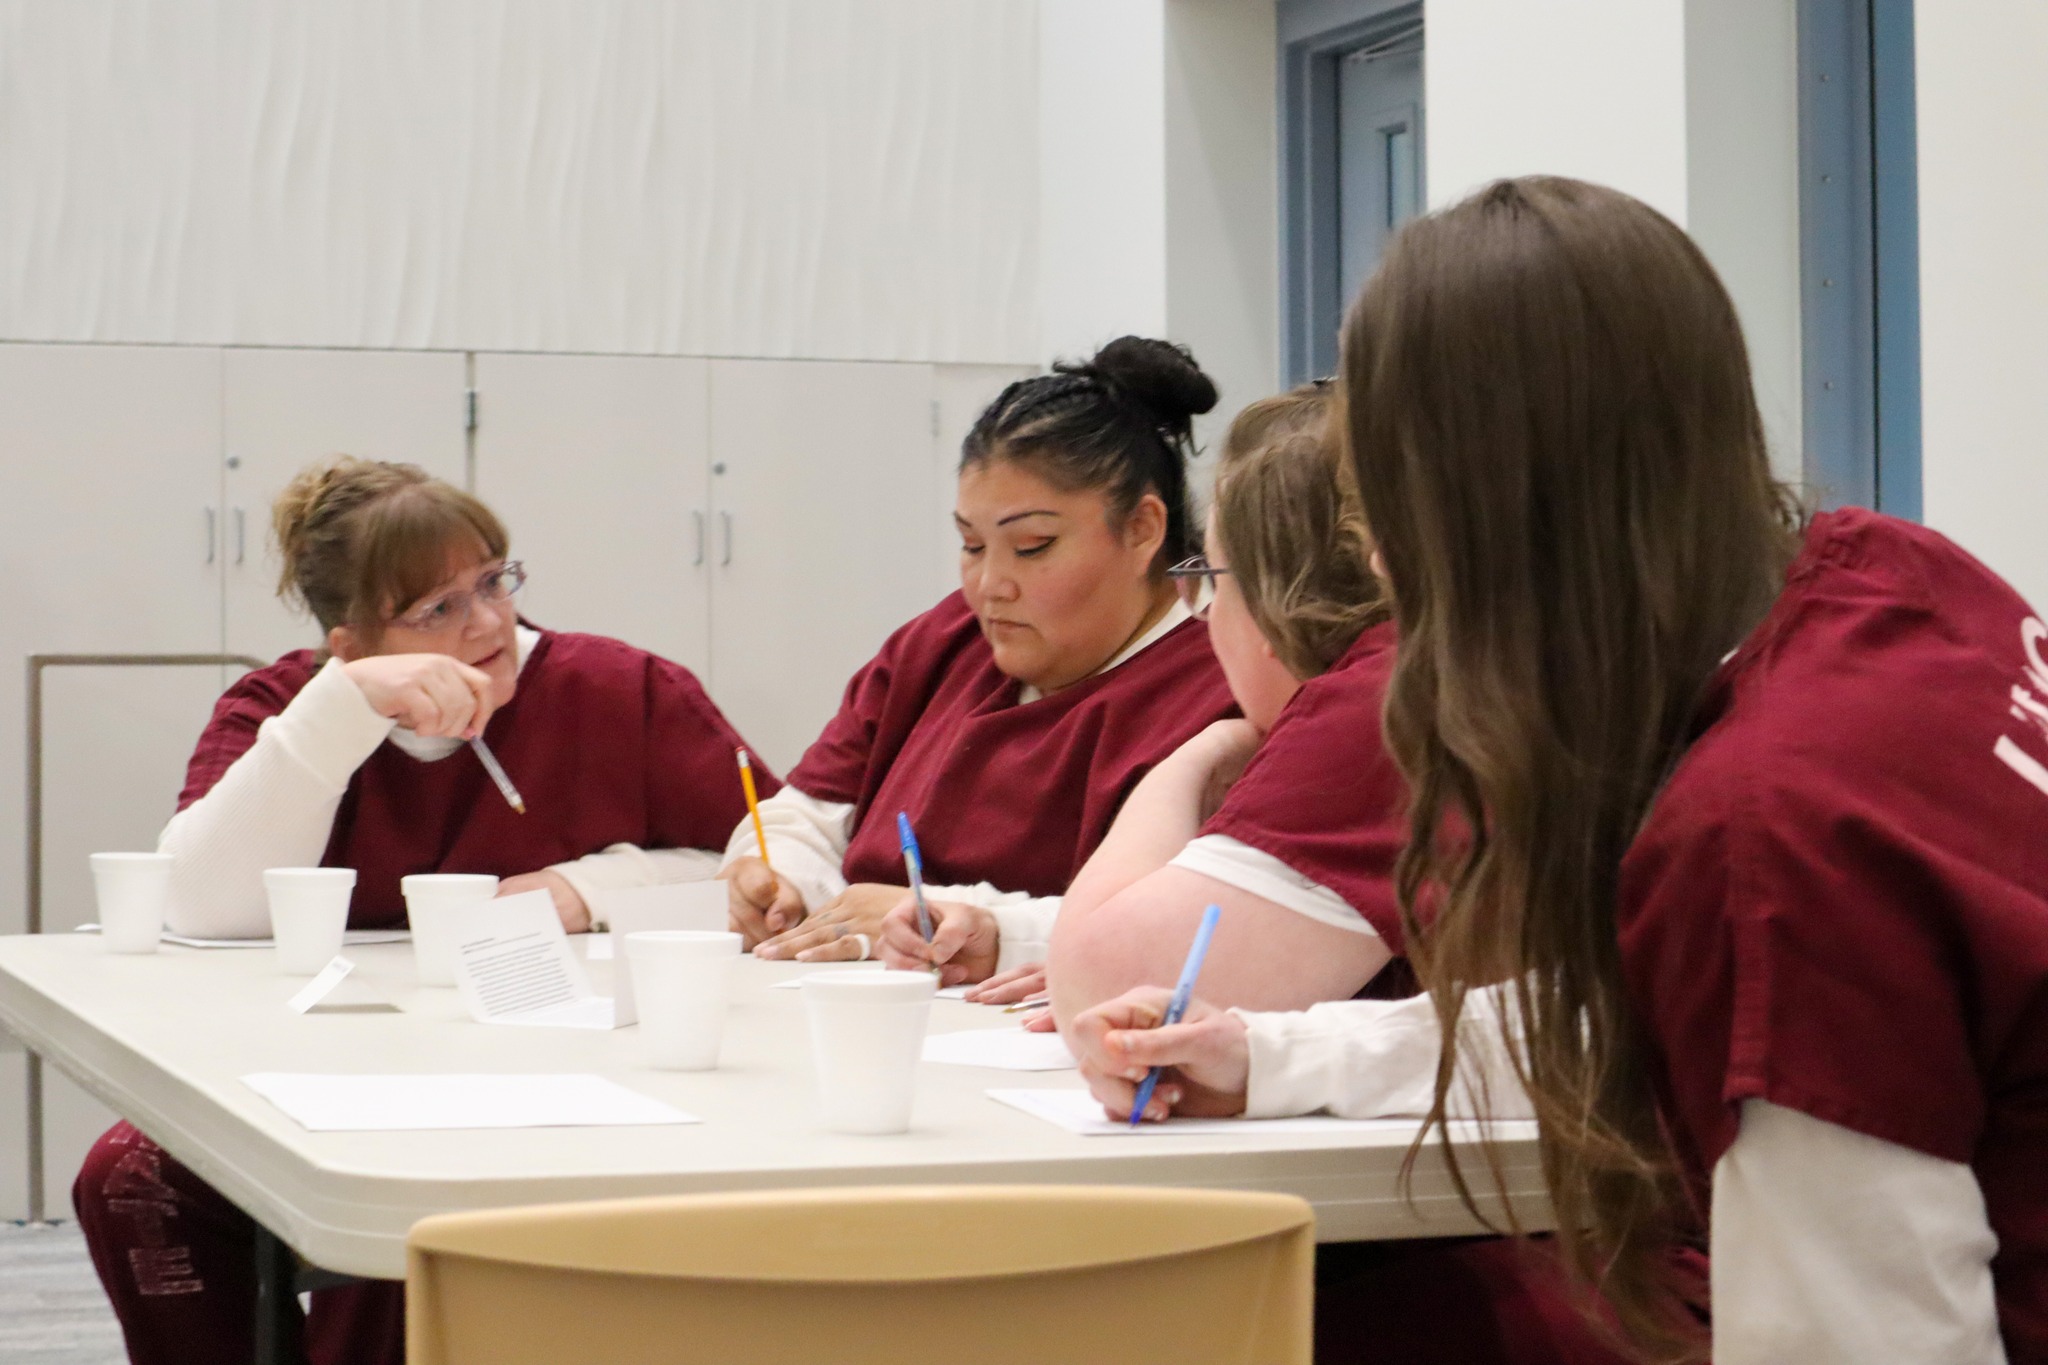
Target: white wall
x,y
1742,188
1983,130
1587,88
1159,203
848,179
1690,105
1223,197
1102,173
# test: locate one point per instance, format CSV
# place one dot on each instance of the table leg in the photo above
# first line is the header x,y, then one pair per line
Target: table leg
x,y
279,1324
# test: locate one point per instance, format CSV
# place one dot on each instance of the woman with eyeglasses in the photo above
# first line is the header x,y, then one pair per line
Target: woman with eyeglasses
x,y
355,756
1010,721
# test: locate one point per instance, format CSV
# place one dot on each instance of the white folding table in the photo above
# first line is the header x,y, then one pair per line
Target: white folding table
x,y
164,1039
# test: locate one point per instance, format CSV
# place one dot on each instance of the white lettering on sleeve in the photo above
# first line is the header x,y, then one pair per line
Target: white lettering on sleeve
x,y
2022,762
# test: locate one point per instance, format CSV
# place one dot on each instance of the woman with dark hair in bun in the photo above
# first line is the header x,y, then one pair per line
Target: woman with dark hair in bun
x,y
353,756
1009,721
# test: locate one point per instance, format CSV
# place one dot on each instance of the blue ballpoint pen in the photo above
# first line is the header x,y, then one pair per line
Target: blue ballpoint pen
x,y
913,862
1178,1006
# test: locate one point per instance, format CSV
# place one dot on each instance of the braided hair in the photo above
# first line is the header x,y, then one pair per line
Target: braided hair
x,y
1120,423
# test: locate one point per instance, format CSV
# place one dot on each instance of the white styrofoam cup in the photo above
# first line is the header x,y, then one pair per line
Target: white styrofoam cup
x,y
867,1031
308,915
132,889
679,989
429,896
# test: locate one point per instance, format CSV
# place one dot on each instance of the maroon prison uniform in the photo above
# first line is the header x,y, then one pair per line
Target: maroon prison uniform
x,y
1324,797
608,744
1839,903
1015,795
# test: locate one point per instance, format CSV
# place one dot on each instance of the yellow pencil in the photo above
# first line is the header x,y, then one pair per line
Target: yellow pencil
x,y
754,807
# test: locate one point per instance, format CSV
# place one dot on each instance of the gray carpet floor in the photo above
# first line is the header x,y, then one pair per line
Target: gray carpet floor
x,y
52,1311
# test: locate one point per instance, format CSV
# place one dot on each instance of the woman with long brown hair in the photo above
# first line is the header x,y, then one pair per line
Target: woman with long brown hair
x,y
1738,819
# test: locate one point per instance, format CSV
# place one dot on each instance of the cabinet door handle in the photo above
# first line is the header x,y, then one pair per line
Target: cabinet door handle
x,y
241,534
212,536
725,522
697,519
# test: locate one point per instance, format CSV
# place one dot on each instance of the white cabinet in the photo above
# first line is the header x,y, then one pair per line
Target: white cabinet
x,y
826,517
110,542
598,466
286,409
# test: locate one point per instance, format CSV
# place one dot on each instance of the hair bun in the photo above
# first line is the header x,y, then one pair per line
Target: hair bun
x,y
1160,375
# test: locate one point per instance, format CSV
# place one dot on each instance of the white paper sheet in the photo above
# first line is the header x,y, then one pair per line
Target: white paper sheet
x,y
373,1104
1003,1049
513,966
354,938
1078,1112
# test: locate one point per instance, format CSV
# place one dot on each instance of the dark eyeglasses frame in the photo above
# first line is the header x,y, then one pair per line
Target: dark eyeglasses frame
x,y
1194,579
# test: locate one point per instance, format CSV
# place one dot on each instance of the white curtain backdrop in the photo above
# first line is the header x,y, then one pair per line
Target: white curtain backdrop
x,y
848,179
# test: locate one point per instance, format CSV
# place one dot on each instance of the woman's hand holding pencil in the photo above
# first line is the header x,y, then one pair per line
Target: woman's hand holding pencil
x,y
1206,1056
759,905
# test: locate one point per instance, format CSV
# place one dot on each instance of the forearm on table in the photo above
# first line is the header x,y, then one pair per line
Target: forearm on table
x,y
274,807
1266,955
807,839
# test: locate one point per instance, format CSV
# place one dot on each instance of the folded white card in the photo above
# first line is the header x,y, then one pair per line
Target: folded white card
x,y
1079,1112
1004,1049
513,966
675,905
318,989
374,1104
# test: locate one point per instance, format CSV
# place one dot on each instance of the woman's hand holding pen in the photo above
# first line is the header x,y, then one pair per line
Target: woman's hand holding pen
x,y
963,946
1207,1057
434,695
759,905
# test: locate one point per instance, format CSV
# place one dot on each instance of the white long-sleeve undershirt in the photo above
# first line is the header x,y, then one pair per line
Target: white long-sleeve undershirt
x,y
275,807
1828,1246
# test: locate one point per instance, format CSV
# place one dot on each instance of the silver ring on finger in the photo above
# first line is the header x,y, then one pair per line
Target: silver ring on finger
x,y
867,946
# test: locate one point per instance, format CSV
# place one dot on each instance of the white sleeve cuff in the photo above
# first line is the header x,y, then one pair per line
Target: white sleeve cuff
x,y
1369,1059
807,841
330,727
1236,863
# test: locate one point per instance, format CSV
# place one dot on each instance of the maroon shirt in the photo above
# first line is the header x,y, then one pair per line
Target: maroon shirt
x,y
608,744
1014,795
1839,903
1322,794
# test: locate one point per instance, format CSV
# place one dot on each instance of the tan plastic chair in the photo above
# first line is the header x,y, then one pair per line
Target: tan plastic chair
x,y
1037,1275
